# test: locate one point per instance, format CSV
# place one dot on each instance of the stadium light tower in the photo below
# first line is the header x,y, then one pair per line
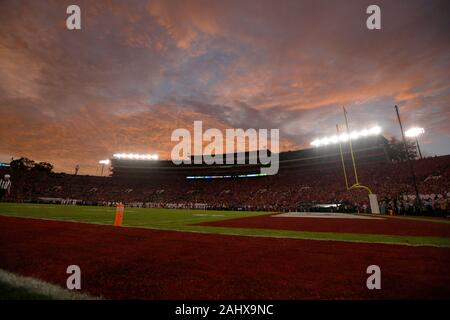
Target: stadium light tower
x,y
346,136
103,162
135,156
415,133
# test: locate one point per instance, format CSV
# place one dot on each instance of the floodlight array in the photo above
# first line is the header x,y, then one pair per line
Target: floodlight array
x,y
414,132
354,135
135,156
106,161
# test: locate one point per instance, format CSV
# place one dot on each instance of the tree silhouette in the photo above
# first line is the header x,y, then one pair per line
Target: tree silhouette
x,y
396,150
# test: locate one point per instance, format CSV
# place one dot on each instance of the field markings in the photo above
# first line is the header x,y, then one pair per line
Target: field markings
x,y
42,288
325,215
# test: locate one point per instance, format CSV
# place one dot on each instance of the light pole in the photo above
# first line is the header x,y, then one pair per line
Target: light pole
x,y
415,133
411,168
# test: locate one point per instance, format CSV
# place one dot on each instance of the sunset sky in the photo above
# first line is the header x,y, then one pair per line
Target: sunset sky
x,y
139,69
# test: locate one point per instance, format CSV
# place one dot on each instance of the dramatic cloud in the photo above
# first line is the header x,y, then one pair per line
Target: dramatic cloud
x,y
139,69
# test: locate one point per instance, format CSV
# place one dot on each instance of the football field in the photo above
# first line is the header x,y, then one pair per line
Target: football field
x,y
206,254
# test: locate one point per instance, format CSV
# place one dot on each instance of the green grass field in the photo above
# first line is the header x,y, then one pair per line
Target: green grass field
x,y
185,220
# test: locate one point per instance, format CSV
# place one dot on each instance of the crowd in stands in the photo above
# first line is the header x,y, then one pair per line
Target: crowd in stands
x,y
290,190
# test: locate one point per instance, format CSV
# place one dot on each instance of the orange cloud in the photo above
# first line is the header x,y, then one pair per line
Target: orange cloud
x,y
138,70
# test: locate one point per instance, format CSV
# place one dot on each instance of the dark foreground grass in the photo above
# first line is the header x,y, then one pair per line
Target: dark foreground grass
x,y
139,263
188,220
11,292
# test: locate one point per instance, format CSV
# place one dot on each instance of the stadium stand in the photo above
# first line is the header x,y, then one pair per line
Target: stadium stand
x,y
304,181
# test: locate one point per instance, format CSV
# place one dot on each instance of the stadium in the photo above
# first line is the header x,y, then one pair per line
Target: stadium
x,y
200,224
348,199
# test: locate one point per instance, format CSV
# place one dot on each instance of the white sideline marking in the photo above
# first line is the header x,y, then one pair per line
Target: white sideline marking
x,y
34,206
41,287
325,215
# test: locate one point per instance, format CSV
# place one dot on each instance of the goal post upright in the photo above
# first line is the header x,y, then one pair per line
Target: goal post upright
x,y
351,146
373,201
342,158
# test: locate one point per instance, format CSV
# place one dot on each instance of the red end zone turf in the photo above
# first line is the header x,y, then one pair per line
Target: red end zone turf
x,y
386,226
150,264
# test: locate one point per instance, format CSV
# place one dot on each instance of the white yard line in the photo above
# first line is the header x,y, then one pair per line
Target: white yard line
x,y
326,215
